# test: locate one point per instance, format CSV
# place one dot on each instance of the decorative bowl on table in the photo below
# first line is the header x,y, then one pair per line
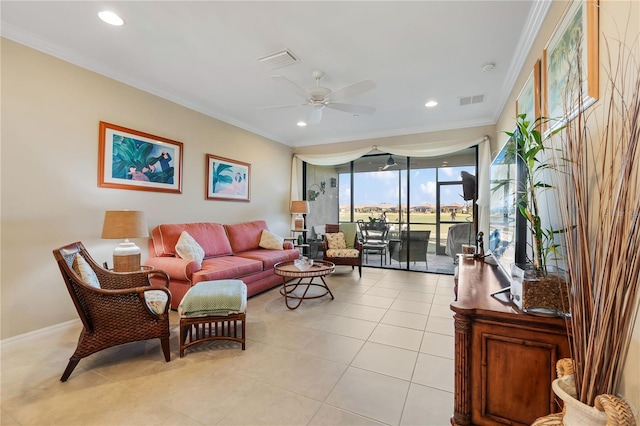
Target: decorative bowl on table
x,y
303,263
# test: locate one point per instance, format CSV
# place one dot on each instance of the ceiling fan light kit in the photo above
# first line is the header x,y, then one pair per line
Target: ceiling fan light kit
x,y
319,97
390,163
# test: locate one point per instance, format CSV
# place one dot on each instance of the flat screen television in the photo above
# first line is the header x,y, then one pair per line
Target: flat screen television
x,y
507,227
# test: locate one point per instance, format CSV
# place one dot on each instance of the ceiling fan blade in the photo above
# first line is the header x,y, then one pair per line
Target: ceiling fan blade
x,y
285,81
282,106
352,90
316,116
355,109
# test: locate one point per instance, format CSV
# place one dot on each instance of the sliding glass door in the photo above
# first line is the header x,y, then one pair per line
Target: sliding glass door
x,y
418,199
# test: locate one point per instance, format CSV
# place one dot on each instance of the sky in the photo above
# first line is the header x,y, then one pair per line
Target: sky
x,y
379,187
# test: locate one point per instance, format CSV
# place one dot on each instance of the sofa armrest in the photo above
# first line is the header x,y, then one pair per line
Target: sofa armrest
x,y
288,245
176,267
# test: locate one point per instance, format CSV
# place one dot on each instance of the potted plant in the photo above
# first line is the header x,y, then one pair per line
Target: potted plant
x,y
537,286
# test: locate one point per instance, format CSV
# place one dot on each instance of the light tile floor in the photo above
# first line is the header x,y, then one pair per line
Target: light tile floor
x,y
380,353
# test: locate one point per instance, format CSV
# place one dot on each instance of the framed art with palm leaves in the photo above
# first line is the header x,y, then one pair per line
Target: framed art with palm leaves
x,y
576,34
528,101
128,159
228,180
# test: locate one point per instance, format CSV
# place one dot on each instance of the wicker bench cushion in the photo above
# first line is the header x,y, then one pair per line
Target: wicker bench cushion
x,y
214,298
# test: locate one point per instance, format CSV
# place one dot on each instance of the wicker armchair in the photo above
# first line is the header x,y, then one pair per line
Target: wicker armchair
x,y
353,260
117,312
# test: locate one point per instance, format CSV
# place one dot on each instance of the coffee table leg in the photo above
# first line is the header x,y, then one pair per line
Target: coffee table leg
x,y
327,287
285,293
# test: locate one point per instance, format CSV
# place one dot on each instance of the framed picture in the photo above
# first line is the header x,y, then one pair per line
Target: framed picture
x,y
528,101
576,36
228,180
128,159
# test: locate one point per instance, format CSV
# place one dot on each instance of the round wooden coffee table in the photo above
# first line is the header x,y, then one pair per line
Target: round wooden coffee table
x,y
288,270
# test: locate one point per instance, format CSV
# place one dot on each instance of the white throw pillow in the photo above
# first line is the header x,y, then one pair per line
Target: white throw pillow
x,y
271,241
188,248
85,271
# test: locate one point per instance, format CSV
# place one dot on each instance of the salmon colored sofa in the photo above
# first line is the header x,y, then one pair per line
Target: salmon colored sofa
x,y
230,252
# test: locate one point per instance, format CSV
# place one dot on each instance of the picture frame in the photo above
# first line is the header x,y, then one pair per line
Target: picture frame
x,y
578,28
529,99
129,159
227,179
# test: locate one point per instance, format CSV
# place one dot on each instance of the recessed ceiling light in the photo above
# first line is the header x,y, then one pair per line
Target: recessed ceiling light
x,y
431,104
301,123
111,18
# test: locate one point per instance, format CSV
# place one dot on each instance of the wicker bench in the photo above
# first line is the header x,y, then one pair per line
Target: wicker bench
x,y
213,310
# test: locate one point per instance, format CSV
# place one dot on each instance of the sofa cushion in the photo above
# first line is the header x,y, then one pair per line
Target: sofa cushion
x,y
210,236
335,240
271,241
270,257
225,268
350,231
188,248
245,236
343,252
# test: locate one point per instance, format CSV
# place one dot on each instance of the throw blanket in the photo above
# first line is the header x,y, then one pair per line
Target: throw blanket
x,y
219,298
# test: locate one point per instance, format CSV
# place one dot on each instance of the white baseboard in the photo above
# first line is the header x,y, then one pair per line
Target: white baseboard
x,y
41,331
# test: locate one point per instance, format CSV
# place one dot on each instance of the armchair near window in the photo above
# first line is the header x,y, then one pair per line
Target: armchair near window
x,y
415,246
114,307
343,251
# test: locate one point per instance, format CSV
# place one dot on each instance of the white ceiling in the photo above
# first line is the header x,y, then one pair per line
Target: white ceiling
x,y
204,55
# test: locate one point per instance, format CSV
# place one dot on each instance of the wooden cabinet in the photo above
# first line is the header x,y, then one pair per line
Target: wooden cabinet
x,y
504,359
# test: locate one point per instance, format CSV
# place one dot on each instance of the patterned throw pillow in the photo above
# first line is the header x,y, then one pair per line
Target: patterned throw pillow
x,y
336,240
188,248
85,271
271,241
156,300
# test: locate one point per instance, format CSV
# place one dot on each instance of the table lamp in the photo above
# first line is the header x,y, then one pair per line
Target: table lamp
x,y
299,208
119,224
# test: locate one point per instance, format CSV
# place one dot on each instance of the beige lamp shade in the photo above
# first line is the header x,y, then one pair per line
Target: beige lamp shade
x,y
299,207
119,224
125,224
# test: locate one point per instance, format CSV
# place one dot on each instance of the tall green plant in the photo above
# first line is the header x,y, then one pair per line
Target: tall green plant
x,y
532,142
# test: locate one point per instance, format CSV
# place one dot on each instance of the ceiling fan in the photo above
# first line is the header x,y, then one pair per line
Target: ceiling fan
x,y
390,163
319,97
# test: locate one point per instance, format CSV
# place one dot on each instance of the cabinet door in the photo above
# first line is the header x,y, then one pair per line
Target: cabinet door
x,y
512,371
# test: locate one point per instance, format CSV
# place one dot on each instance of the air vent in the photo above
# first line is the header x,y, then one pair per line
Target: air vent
x,y
469,100
279,59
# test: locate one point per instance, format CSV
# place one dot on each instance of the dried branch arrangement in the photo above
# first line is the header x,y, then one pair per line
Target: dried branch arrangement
x,y
599,199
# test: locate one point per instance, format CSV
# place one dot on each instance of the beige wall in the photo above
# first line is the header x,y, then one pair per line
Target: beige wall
x,y
614,16
50,115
